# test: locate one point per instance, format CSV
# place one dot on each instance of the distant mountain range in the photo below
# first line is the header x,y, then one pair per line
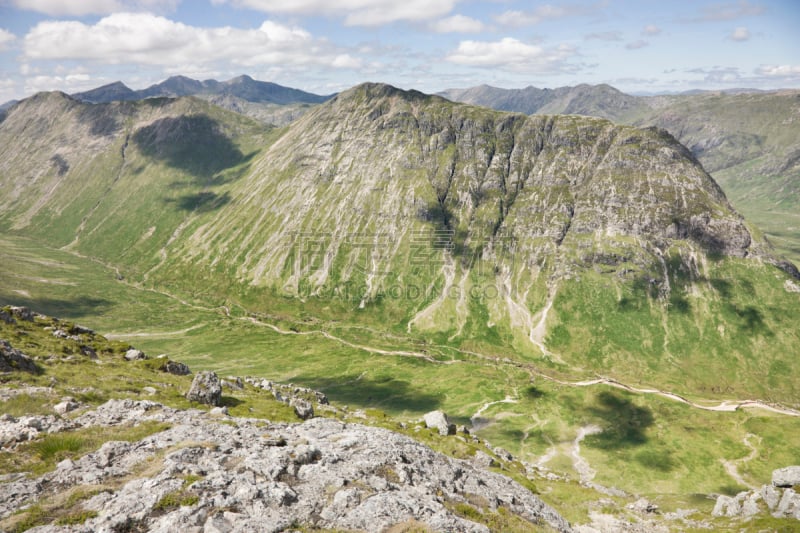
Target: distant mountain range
x,y
591,100
243,87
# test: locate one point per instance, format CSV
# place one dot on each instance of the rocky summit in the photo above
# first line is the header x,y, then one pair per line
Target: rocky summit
x,y
211,472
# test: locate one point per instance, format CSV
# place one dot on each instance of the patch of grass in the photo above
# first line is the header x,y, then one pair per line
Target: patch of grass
x,y
173,500
76,518
26,405
41,455
58,446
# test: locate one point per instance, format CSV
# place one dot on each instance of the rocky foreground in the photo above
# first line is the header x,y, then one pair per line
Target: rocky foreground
x,y
211,472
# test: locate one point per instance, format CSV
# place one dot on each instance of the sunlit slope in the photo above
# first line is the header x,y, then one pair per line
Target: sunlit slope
x,y
555,240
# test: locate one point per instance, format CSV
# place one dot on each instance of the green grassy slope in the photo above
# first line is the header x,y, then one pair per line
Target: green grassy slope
x,y
651,446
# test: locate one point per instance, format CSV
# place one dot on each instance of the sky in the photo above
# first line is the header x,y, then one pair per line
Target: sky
x,y
324,46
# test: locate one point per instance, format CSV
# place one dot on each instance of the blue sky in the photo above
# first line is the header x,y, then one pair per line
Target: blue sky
x,y
325,46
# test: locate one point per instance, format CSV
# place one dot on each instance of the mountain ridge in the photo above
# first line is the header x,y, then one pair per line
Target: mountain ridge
x,y
242,86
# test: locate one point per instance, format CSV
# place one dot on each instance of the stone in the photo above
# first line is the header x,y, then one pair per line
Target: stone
x,y
726,506
789,506
771,496
643,506
6,317
302,408
438,420
483,460
174,367
65,406
205,389
88,351
134,355
80,330
750,505
22,313
219,411
12,359
786,477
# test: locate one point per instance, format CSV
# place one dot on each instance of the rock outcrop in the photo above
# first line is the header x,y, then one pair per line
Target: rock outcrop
x,y
786,477
206,388
12,359
439,421
245,475
779,499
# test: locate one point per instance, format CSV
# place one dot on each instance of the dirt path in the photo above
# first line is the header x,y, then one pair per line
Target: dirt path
x,y
480,423
115,336
732,466
724,406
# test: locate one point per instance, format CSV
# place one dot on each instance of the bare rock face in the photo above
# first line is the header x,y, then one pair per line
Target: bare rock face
x,y
786,477
248,476
206,389
438,420
12,359
302,408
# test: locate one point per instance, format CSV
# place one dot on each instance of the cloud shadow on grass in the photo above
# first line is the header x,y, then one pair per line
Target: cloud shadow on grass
x,y
389,394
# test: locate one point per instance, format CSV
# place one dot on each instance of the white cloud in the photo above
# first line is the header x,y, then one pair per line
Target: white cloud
x,y
145,39
516,19
729,11
6,38
777,71
604,36
635,45
514,55
69,83
739,34
355,12
457,24
79,8
651,29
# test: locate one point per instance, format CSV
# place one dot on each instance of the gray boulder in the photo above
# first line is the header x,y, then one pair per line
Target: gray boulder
x,y
438,420
205,389
134,355
789,506
302,408
786,477
12,359
65,406
174,367
23,313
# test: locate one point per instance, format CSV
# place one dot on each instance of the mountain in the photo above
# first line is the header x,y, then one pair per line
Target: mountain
x,y
750,143
593,100
266,102
465,225
578,292
242,87
107,93
745,138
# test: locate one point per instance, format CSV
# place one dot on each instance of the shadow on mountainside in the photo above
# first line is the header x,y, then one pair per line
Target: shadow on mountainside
x,y
623,422
201,202
193,144
389,394
80,306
